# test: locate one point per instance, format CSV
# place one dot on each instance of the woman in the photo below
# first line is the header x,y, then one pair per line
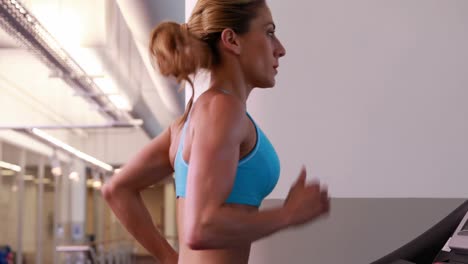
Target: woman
x,y
224,165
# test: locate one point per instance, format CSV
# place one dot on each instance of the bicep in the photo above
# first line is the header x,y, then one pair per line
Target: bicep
x,y
148,166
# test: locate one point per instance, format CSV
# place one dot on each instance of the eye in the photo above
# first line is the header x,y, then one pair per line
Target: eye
x,y
271,33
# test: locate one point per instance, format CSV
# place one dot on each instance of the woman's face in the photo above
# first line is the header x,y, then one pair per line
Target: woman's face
x,y
261,50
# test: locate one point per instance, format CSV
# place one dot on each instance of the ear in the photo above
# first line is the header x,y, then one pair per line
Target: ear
x,y
230,41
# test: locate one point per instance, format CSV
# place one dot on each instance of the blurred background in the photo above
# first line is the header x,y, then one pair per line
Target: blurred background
x,y
371,97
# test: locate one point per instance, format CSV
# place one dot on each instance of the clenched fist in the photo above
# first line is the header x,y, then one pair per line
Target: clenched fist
x,y
306,201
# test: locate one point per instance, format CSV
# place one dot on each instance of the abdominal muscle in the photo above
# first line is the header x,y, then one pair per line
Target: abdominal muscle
x,y
235,255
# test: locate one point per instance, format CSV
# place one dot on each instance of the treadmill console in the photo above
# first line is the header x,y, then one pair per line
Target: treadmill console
x,y
456,248
459,240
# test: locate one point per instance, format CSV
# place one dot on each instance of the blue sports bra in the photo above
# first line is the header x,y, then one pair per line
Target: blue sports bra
x,y
256,175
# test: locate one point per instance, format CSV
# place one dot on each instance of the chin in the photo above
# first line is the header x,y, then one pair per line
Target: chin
x,y
264,81
267,84
271,84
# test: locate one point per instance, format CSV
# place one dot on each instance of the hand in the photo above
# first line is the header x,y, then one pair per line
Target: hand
x,y
306,201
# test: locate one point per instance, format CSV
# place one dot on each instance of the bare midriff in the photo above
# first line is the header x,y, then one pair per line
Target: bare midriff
x,y
234,255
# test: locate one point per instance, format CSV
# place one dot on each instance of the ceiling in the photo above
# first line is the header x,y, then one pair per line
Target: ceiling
x,y
25,85
32,95
6,41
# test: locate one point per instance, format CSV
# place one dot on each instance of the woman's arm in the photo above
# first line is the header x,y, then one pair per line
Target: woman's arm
x,y
122,193
213,162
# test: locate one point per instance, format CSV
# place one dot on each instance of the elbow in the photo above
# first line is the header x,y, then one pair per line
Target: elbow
x,y
195,243
113,190
195,239
110,191
197,236
198,243
107,191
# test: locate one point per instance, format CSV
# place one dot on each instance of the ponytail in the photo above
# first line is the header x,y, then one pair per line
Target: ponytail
x,y
176,52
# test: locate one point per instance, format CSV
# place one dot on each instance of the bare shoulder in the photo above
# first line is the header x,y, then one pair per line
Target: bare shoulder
x,y
219,111
213,115
213,107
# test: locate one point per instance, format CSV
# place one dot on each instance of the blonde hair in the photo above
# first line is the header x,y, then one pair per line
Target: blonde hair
x,y
180,50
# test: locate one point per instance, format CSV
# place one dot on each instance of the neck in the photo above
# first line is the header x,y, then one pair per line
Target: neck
x,y
229,79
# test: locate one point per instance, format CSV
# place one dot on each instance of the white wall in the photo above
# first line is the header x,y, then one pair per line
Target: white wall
x,y
371,96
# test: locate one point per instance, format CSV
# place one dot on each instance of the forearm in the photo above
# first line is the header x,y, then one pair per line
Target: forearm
x,y
129,208
230,227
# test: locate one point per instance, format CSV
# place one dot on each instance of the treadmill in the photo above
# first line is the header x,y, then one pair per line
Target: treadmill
x,y
445,242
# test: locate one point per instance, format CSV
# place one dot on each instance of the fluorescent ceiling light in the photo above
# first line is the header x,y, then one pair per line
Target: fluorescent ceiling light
x,y
87,60
97,184
89,182
136,122
71,149
74,176
65,26
57,171
110,88
120,102
106,85
10,166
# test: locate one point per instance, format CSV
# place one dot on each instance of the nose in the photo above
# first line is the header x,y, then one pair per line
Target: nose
x,y
280,50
